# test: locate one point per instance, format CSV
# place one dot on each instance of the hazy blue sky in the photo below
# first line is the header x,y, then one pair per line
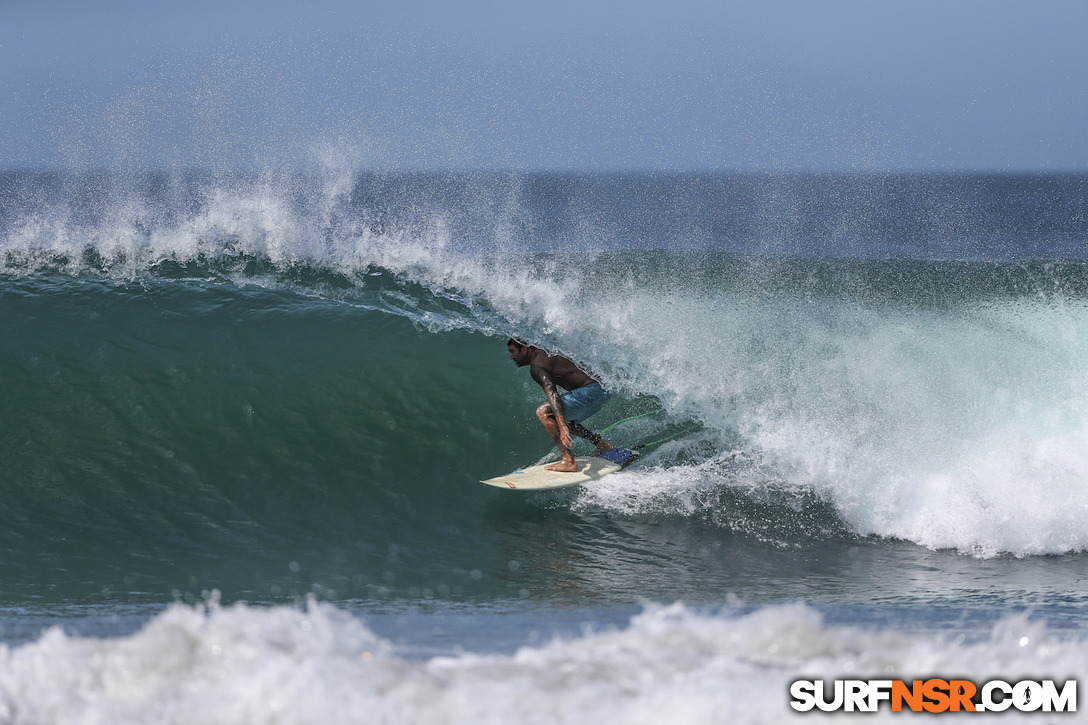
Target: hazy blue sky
x,y
780,84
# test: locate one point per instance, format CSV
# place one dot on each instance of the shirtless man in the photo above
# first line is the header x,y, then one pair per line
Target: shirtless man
x,y
562,414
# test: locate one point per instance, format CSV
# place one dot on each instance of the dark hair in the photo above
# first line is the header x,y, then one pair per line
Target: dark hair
x,y
515,341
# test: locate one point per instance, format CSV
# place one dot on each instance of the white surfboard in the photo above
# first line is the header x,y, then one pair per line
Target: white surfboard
x,y
538,478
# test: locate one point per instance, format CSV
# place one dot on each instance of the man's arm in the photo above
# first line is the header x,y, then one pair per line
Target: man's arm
x,y
544,379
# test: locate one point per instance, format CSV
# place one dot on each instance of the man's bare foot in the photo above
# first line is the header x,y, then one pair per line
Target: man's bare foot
x,y
563,467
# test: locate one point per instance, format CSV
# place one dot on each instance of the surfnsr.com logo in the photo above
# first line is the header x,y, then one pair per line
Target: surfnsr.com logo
x,y
934,695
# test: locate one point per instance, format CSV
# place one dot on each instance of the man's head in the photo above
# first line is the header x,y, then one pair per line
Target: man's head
x,y
519,351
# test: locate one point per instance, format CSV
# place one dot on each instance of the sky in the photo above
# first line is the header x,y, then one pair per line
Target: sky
x,y
797,85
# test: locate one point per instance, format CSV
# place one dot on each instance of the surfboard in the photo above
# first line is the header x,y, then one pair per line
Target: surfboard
x,y
538,478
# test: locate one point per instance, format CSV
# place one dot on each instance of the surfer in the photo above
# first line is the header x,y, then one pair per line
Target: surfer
x,y
562,414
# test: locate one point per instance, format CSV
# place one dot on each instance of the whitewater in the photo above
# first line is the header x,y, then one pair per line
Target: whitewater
x,y
246,416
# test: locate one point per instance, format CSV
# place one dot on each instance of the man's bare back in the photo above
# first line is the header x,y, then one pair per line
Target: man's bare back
x,y
563,372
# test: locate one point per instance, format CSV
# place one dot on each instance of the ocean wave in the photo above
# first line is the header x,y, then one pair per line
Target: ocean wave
x,y
950,426
937,402
215,664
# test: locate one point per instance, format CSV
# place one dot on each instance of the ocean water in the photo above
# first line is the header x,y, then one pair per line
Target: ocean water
x,y
244,415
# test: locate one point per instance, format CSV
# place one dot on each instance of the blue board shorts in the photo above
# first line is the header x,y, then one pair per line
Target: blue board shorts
x,y
585,401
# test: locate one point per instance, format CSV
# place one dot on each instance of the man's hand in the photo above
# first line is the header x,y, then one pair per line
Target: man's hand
x,y
564,436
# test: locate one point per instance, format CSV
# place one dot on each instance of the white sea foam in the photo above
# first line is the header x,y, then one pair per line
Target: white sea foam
x,y
321,665
961,429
